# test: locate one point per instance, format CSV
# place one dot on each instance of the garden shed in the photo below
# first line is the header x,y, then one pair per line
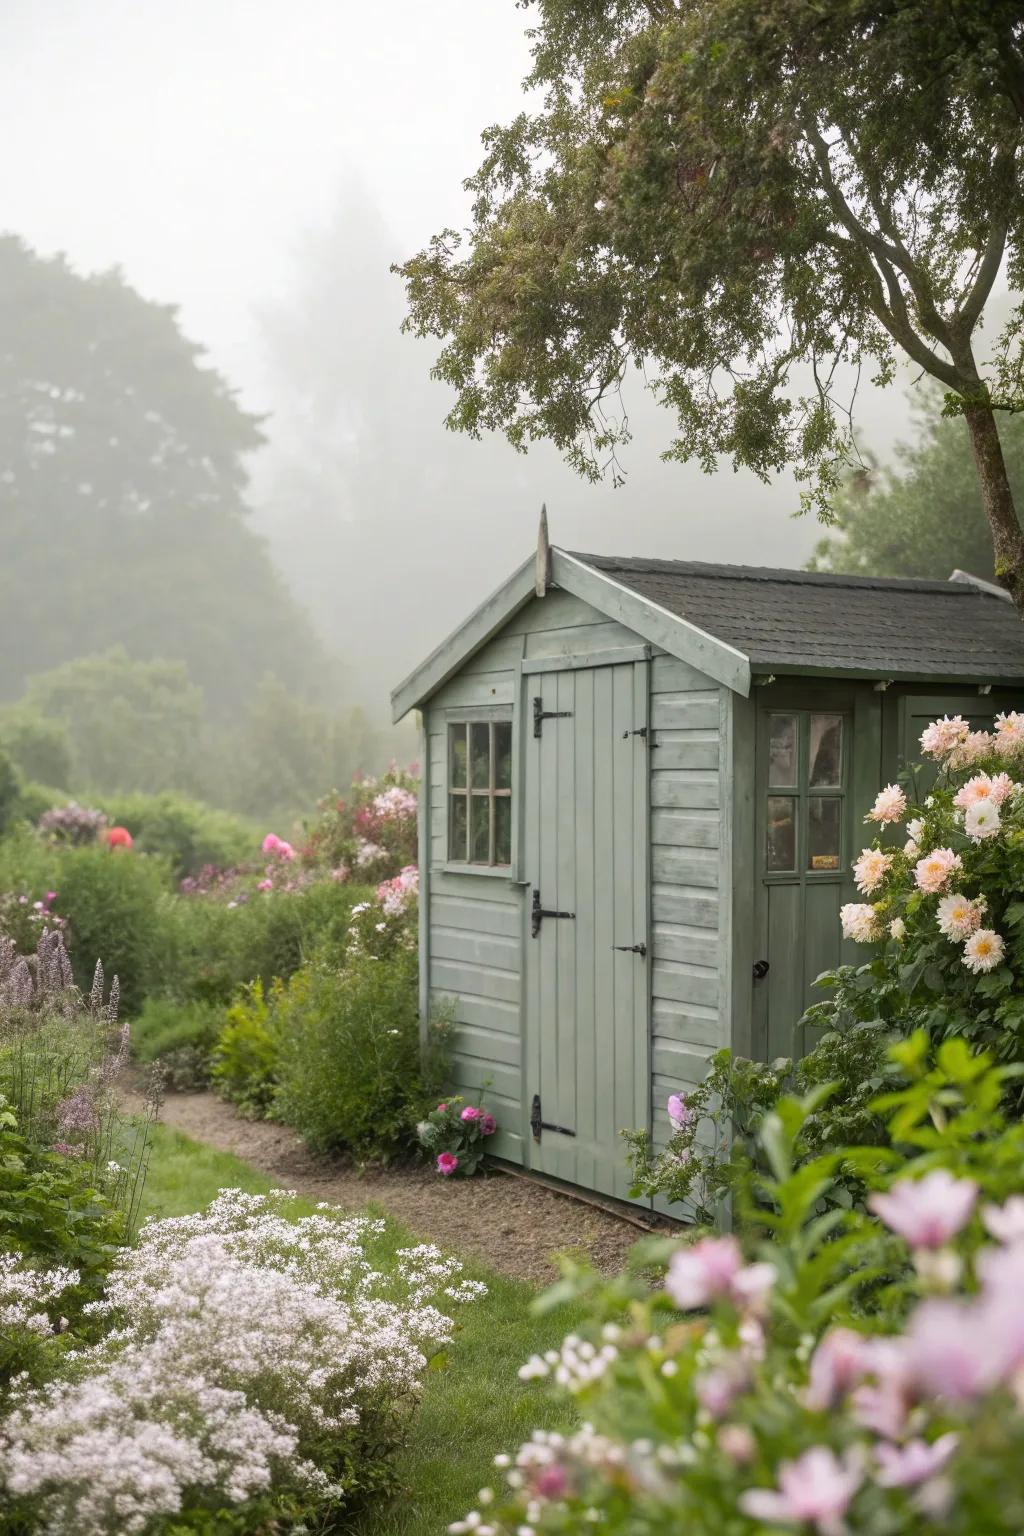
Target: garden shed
x,y
644,784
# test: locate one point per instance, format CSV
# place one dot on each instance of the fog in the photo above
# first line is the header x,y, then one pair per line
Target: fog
x,y
260,165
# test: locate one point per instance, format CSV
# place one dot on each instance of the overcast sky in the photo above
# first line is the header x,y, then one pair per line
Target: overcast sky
x,y
195,143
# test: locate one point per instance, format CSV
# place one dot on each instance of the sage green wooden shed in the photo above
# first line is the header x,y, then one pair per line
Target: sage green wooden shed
x,y
644,784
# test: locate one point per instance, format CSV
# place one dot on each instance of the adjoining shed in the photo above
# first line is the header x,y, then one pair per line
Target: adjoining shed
x,y
644,783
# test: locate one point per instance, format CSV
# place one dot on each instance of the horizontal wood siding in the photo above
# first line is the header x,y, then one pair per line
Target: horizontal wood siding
x,y
689,892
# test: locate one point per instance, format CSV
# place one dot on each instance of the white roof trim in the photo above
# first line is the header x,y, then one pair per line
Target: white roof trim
x,y
708,654
677,636
988,587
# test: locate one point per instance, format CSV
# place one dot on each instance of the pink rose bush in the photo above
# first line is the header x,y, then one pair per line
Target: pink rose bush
x,y
455,1135
855,1373
251,1361
370,832
944,898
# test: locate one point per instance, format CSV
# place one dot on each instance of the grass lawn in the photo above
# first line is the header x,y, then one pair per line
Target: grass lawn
x,y
473,1408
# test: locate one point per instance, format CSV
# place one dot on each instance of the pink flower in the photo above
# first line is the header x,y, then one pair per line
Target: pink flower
x,y
447,1163
737,1442
1006,1222
1009,731
277,846
943,736
678,1111
51,897
838,1363
488,1125
934,871
958,1350
982,787
958,916
441,1108
903,1466
927,1212
890,805
265,885
871,869
714,1268
551,1482
718,1388
471,1113
817,1487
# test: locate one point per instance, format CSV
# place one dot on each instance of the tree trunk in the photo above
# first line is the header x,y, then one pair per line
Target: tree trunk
x,y
997,499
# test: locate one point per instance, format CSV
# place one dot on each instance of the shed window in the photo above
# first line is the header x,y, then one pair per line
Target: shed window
x,y
806,792
480,792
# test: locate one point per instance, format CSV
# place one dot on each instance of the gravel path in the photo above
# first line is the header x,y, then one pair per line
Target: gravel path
x,y
510,1223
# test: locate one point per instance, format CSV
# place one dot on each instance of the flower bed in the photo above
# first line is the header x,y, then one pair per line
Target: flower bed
x,y
252,1360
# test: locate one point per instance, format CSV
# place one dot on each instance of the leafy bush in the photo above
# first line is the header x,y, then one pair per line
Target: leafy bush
x,y
840,1373
187,833
245,1057
260,1366
455,1135
77,826
352,1078
111,900
945,908
181,1037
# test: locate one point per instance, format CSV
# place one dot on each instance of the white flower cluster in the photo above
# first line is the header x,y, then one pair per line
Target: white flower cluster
x,y
577,1364
240,1335
25,1292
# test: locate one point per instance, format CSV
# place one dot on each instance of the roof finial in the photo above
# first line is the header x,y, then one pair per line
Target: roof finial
x,y
543,580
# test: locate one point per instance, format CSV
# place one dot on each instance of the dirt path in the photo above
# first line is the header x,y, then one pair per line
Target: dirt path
x,y
510,1223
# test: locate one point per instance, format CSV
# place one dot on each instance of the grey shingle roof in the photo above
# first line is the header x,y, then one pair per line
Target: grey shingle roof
x,y
801,621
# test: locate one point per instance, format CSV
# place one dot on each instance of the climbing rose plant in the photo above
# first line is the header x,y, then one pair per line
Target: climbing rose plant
x,y
942,885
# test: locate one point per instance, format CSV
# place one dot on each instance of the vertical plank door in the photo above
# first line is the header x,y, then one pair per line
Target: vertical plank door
x,y
587,1056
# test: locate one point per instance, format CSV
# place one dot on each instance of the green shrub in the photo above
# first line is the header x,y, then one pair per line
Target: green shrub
x,y
245,1057
181,1037
351,1077
10,792
186,832
111,899
36,799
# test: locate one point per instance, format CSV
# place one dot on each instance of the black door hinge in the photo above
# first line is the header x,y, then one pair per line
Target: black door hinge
x,y
540,714
538,913
537,1124
641,731
632,949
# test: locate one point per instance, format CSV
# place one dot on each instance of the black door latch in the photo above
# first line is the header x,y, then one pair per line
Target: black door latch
x,y
761,969
538,913
540,714
632,949
537,1124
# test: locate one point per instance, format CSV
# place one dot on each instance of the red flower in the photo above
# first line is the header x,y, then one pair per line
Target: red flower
x,y
118,837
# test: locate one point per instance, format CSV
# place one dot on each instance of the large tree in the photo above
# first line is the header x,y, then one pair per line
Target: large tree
x,y
922,515
122,493
754,202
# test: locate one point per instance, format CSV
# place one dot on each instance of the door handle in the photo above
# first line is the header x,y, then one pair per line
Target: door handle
x,y
632,949
761,969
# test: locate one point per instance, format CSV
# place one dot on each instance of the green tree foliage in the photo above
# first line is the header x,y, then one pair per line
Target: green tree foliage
x,y
925,517
40,749
132,724
123,494
756,204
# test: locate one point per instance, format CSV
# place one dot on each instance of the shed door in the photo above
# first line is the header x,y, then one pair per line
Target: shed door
x,y
587,989
805,845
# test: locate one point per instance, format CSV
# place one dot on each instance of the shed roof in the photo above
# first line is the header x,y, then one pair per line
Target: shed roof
x,y
809,621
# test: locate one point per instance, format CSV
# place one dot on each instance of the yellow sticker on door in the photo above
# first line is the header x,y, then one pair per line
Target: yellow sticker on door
x,y
825,861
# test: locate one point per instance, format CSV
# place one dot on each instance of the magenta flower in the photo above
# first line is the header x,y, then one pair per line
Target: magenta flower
x,y
551,1482
927,1212
816,1487
488,1125
470,1113
903,1466
441,1109
678,1111
265,885
447,1163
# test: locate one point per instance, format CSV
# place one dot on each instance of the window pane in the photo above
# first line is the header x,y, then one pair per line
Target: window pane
x,y
824,831
457,826
457,755
781,851
480,755
480,829
503,829
826,751
503,754
782,748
